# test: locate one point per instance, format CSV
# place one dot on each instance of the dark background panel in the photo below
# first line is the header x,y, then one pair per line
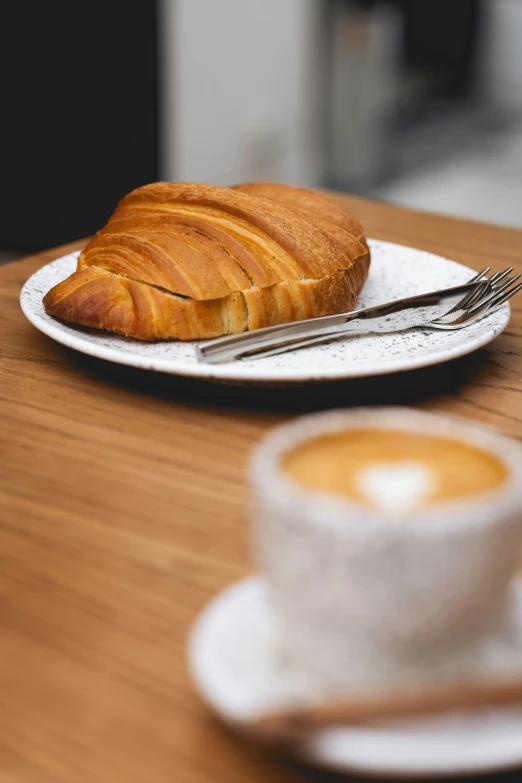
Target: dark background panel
x,y
79,115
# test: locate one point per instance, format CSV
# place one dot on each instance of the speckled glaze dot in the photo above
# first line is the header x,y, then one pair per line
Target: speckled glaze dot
x,y
396,271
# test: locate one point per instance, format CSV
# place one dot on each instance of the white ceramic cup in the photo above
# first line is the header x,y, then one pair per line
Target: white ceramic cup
x,y
360,598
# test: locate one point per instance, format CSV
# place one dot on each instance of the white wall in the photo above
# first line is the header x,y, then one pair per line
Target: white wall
x,y
241,90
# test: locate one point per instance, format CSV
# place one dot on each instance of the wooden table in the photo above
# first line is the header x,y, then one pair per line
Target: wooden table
x,y
122,511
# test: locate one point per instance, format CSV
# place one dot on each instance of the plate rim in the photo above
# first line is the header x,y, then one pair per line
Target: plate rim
x,y
55,331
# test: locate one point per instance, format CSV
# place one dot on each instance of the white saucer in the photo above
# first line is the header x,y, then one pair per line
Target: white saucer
x,y
235,665
396,271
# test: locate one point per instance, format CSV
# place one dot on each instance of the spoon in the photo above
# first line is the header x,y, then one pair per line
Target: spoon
x,y
290,724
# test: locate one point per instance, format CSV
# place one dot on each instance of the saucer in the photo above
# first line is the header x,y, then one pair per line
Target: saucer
x,y
239,672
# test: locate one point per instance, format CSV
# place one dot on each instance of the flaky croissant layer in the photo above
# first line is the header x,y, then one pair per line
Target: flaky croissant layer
x,y
189,261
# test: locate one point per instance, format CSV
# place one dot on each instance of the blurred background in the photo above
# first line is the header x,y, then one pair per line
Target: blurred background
x,y
416,102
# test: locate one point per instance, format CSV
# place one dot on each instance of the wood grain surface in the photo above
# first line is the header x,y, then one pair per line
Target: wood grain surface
x,y
122,512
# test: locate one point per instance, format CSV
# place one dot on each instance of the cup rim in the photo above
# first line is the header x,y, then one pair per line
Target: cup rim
x,y
337,511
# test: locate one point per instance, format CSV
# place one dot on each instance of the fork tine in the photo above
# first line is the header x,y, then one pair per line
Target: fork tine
x,y
475,296
506,284
467,298
480,300
499,276
491,300
480,275
508,294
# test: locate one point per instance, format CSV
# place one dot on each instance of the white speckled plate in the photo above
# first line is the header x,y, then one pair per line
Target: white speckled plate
x,y
396,271
234,661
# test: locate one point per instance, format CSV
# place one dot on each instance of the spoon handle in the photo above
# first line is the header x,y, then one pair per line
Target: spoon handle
x,y
294,723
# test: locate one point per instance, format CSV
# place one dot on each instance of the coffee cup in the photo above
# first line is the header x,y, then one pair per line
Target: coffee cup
x,y
396,574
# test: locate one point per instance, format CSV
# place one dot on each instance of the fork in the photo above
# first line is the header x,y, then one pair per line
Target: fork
x,y
463,314
482,300
235,346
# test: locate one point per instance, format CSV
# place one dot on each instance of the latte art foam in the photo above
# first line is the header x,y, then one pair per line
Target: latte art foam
x,y
394,471
398,487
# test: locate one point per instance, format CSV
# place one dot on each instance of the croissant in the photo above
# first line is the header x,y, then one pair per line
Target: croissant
x,y
189,261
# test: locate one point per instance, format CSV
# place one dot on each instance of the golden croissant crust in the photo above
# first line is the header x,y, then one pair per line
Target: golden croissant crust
x,y
188,261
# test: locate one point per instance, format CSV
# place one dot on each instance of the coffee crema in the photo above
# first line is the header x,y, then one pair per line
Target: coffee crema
x,y
394,470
